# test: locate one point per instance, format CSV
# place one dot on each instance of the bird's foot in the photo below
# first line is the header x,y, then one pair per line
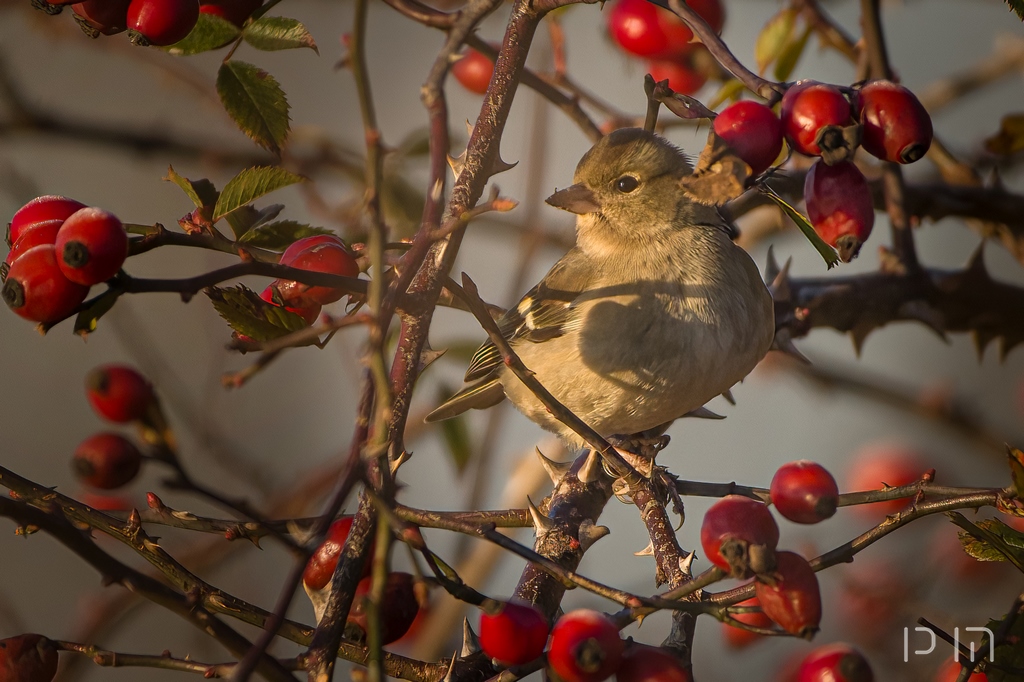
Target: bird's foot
x,y
645,444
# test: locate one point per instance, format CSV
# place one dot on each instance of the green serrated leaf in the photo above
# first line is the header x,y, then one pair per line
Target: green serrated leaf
x,y
730,91
201,192
1017,6
251,184
773,38
248,314
279,235
990,540
246,218
210,33
827,253
790,55
86,321
278,33
256,103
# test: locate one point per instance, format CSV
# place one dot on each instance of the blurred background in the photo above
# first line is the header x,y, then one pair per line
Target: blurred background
x,y
277,439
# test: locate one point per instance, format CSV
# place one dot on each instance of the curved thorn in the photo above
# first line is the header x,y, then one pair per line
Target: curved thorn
x,y
541,523
470,642
590,533
646,551
771,268
591,469
555,470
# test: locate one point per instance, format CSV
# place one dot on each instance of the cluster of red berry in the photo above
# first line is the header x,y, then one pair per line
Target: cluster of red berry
x,y
893,126
400,605
121,395
663,39
59,248
319,253
740,536
585,645
151,22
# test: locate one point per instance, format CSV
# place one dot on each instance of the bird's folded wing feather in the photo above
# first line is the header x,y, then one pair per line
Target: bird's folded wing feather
x,y
546,312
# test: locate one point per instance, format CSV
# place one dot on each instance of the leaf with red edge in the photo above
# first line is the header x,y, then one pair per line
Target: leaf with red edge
x,y
201,192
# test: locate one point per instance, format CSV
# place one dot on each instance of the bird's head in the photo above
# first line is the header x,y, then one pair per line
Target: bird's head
x,y
627,186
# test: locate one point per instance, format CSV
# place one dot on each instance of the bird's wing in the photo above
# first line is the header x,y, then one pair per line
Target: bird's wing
x,y
546,312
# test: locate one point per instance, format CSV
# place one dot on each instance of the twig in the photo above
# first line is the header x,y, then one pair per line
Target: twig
x,y
116,572
766,89
845,552
165,661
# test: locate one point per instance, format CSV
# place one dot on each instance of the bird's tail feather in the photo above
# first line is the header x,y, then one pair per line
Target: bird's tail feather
x,y
479,396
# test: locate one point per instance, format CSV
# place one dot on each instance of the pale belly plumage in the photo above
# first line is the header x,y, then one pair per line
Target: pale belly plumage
x,y
648,353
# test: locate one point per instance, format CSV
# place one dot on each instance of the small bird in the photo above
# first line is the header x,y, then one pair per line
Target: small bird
x,y
650,315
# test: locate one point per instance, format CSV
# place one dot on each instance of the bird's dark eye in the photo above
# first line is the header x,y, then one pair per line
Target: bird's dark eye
x,y
626,184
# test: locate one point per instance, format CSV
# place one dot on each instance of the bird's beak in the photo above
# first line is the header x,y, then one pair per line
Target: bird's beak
x,y
576,198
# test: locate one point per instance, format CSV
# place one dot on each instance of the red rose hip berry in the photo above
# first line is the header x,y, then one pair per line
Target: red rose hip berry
x,y
739,536
835,663
790,596
804,492
646,30
119,393
108,17
473,71
684,75
585,647
27,658
642,663
839,206
106,461
399,607
37,234
321,256
894,124
320,568
809,106
884,464
49,207
37,290
753,131
162,22
92,245
513,633
309,314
